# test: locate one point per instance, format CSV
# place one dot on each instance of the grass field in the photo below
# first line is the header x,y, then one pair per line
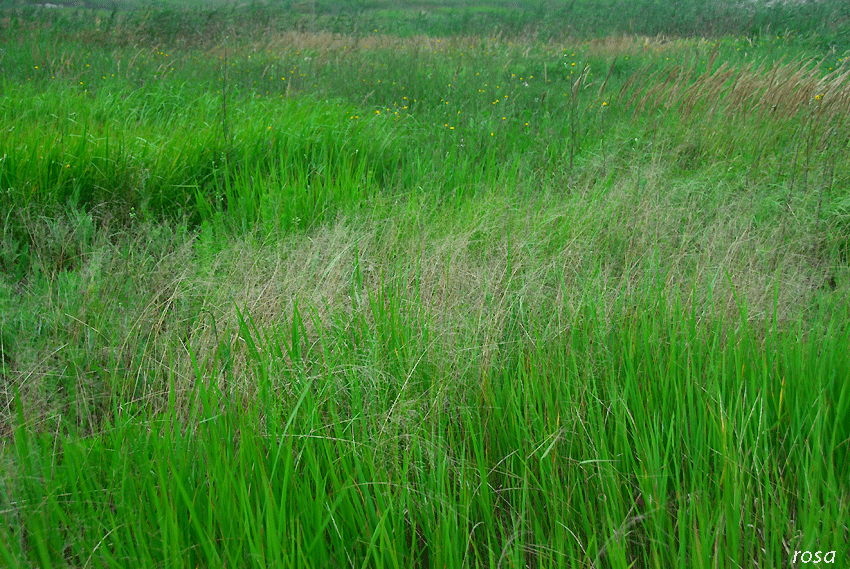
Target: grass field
x,y
337,284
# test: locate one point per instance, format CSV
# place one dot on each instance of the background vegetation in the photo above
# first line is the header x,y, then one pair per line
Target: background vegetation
x,y
338,284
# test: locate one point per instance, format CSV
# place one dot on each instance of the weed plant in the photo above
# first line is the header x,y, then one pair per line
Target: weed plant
x,y
336,285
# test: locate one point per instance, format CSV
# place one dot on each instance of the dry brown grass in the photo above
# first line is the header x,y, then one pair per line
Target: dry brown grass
x,y
475,279
633,45
328,43
776,92
139,312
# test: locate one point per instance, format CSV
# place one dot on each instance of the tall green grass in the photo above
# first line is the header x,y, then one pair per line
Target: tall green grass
x,y
352,287
663,441
155,129
145,152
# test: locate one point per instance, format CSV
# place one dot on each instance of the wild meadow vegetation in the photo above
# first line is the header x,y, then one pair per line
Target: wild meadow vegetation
x,y
330,284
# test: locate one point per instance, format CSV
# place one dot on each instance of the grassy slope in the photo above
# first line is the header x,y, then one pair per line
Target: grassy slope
x,y
428,300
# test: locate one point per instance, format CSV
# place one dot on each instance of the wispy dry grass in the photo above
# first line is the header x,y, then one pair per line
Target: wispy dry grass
x,y
777,91
616,45
334,42
469,284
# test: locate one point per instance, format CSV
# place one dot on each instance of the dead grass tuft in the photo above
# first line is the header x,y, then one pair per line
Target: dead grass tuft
x,y
777,92
631,45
